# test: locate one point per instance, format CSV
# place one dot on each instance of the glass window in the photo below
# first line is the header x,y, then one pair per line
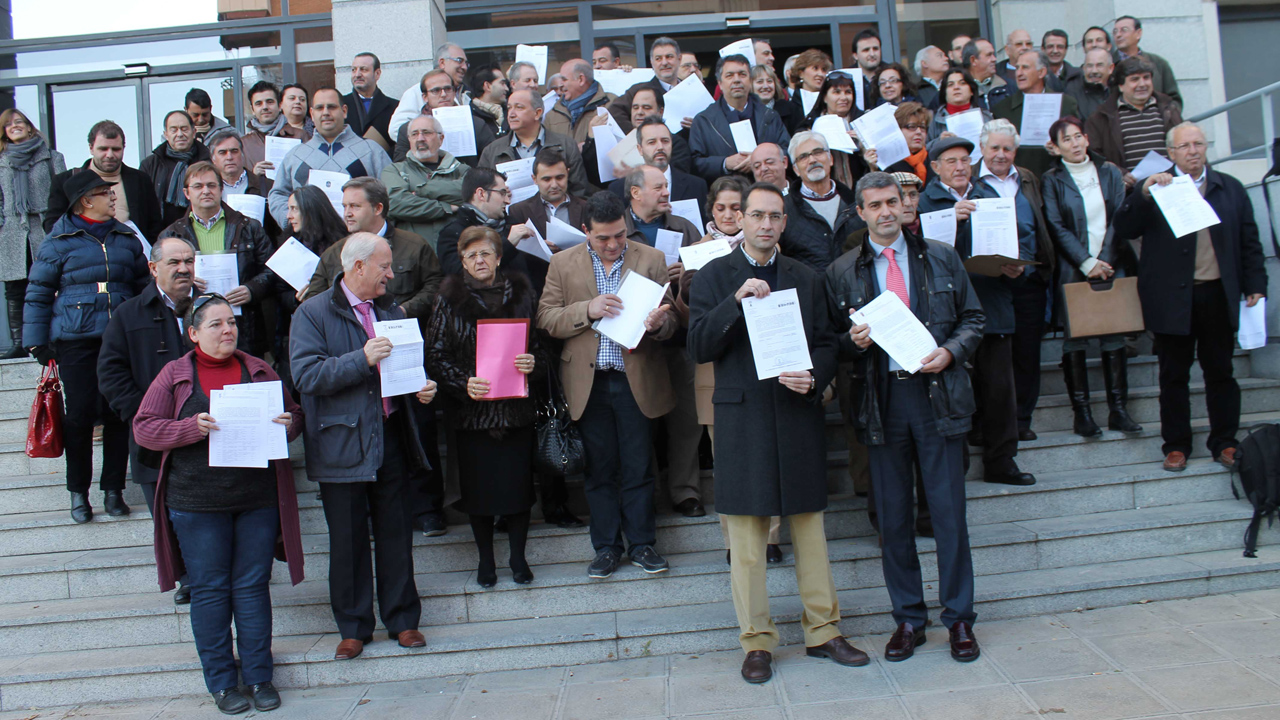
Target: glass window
x,y
75,110
933,22
627,54
481,21
170,95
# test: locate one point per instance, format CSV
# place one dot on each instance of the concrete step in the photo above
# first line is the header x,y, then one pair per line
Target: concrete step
x,y
1142,371
1053,412
68,677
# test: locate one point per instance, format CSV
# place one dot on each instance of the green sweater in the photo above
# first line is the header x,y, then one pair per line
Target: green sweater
x,y
214,240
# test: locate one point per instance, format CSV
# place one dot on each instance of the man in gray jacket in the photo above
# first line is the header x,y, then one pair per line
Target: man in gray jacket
x,y
361,447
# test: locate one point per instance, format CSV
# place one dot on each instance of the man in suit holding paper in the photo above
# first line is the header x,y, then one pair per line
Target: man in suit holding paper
x,y
612,392
1192,290
926,412
710,138
551,175
657,147
1032,71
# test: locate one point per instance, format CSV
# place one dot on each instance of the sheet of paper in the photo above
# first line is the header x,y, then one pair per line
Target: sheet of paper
x,y
688,209
606,140
238,439
254,206
221,273
1184,208
1039,111
620,81
879,129
1253,325
549,101
403,372
536,54
669,243
459,132
640,296
498,342
146,246
1153,163
562,234
833,129
744,136
685,100
626,153
968,125
519,175
697,255
271,396
994,226
939,225
331,183
896,330
776,330
535,245
744,47
859,92
807,99
274,150
294,263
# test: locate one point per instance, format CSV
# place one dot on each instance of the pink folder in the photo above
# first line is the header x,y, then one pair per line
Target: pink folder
x,y
498,342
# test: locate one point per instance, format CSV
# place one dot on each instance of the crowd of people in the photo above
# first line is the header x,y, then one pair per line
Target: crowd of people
x,y
141,343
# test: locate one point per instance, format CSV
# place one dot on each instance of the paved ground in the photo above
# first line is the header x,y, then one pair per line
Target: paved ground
x,y
1208,658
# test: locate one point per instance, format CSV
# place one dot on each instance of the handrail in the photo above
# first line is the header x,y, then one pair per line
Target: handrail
x,y
1273,87
1268,119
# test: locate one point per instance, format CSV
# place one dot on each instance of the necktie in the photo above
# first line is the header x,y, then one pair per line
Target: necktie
x,y
366,319
894,280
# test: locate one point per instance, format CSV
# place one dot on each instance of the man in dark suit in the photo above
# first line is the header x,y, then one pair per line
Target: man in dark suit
x,y
711,140
770,447
551,175
656,146
664,58
368,109
106,149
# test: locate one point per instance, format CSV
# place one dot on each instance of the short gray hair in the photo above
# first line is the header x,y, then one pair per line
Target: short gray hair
x,y
443,50
634,179
805,136
1168,137
534,95
664,41
918,64
1042,60
221,135
435,124
358,248
514,71
157,250
999,127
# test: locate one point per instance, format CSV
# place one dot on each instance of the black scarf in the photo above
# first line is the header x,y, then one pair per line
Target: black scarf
x,y
173,195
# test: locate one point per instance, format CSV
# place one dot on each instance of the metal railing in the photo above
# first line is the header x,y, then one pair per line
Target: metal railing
x,y
1268,119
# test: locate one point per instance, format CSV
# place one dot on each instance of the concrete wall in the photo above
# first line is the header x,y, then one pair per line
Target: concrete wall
x,y
402,33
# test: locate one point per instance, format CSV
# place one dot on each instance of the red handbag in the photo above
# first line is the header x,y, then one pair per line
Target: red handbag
x,y
44,427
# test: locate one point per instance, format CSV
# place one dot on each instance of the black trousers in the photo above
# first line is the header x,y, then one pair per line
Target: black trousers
x,y
427,486
619,478
1212,342
85,406
348,508
993,388
910,426
1030,301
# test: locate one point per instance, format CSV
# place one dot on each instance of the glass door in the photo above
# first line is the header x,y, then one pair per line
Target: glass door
x,y
76,108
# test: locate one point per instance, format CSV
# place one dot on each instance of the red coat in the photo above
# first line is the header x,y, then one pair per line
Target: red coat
x,y
156,427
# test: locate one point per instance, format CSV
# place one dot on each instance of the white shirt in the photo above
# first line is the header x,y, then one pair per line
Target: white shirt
x,y
1085,176
1008,187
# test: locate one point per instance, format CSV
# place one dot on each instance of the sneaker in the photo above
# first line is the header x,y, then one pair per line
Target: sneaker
x,y
603,566
433,524
648,559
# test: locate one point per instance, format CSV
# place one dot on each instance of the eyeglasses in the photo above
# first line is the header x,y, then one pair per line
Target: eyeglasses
x,y
811,154
915,126
1196,144
504,192
485,255
460,60
758,216
443,90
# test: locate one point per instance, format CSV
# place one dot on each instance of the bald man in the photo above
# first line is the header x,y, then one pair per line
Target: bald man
x,y
575,110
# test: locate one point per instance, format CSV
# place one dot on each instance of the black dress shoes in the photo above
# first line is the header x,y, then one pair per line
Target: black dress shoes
x,y
433,524
1010,476
113,502
486,576
1027,435
964,646
690,507
903,644
265,697
758,667
183,595
841,651
562,518
231,702
773,553
81,510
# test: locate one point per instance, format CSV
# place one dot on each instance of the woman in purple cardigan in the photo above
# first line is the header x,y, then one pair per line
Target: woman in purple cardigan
x,y
226,522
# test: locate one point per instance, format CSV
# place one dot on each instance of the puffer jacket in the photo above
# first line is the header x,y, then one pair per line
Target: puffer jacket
x,y
76,281
943,300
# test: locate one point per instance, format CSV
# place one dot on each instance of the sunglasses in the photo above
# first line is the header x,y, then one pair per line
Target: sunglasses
x,y
202,300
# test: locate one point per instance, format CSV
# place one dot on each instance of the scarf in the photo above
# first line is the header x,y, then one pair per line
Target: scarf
x,y
269,129
957,109
99,229
174,195
917,163
807,192
495,223
578,105
491,296
22,157
716,234
491,108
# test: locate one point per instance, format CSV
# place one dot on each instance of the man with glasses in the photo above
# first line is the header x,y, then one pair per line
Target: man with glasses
x,y
711,140
664,58
485,199
1128,34
450,58
438,91
425,187
334,148
527,136
820,212
1191,289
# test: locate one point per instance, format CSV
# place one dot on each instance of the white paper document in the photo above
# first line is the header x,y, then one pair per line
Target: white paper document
x,y
669,242
254,206
534,244
776,330
994,226
832,128
146,246
939,225
606,140
1183,206
744,47
859,94
640,296
536,54
1253,325
688,209
897,330
271,396
403,372
220,273
879,129
626,152
744,136
807,99
274,150
1039,111
294,263
620,81
549,101
1151,164
331,183
245,434
562,234
685,100
519,175
699,254
459,132
968,125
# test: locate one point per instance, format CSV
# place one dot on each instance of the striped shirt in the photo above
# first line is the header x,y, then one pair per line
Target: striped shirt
x,y
609,354
1141,131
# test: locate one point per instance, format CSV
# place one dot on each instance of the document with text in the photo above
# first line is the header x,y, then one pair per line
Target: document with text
x,y
897,330
404,371
775,328
1183,206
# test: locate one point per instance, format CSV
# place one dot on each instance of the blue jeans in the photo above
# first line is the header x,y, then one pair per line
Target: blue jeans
x,y
228,558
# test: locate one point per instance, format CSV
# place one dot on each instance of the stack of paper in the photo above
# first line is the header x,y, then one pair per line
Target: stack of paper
x,y
640,296
534,244
832,128
331,183
403,372
246,435
294,263
879,129
221,274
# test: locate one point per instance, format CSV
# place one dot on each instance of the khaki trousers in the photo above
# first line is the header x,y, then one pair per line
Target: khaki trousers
x,y
775,522
821,616
684,434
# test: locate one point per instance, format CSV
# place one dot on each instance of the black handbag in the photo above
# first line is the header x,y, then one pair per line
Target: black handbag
x,y
560,450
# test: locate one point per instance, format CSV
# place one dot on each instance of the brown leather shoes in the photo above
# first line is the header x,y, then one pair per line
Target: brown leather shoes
x,y
757,668
839,649
1227,458
1176,461
348,649
903,644
964,646
411,639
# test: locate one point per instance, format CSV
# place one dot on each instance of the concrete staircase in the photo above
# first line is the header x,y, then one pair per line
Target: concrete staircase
x,y
81,620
